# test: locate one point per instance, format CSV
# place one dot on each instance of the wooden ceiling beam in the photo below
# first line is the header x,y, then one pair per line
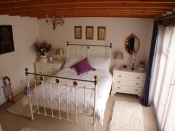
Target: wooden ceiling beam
x,y
50,8
38,4
103,12
11,1
40,16
90,1
59,14
2,11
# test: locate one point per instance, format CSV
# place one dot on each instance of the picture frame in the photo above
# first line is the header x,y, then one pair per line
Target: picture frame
x,y
101,33
6,39
51,59
78,32
89,32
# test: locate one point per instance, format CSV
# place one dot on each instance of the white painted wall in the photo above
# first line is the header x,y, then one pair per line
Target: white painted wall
x,y
25,33
117,29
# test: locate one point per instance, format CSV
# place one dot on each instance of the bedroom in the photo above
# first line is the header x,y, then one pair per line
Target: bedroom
x,y
117,29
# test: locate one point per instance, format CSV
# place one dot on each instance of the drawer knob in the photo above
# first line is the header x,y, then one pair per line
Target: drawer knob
x,y
137,83
119,76
138,77
39,67
40,72
136,89
118,87
53,68
119,82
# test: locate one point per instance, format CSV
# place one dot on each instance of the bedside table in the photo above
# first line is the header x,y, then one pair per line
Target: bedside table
x,y
48,68
128,81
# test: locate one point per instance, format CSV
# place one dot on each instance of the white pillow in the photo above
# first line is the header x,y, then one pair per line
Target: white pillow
x,y
100,63
71,60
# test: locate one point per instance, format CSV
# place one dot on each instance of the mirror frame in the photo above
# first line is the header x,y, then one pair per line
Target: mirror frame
x,y
132,35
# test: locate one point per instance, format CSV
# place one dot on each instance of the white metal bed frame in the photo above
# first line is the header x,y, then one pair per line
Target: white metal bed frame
x,y
75,85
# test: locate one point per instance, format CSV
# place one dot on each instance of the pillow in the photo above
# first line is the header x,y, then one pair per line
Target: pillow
x,y
82,66
101,63
71,60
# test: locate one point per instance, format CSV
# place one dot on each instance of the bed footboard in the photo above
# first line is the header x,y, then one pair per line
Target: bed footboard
x,y
51,107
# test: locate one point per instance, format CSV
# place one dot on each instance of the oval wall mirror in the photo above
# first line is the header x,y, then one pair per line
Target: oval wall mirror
x,y
132,44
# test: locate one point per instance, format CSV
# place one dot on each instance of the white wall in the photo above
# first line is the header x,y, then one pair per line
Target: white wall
x,y
117,29
13,64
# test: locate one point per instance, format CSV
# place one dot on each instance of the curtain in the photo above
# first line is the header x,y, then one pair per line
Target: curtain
x,y
150,69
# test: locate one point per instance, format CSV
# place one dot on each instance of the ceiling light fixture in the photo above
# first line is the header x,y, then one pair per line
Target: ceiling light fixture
x,y
55,21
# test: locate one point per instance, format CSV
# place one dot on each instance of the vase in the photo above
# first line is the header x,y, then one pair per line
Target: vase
x,y
43,56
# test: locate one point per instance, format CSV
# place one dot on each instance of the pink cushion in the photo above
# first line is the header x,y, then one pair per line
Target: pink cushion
x,y
82,66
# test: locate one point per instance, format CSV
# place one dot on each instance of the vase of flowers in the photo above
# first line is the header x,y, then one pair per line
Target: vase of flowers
x,y
42,48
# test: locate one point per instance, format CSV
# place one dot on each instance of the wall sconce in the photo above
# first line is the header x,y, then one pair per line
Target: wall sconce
x,y
59,52
118,56
55,21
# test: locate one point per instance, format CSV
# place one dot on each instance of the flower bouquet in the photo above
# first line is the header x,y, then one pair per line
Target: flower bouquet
x,y
42,47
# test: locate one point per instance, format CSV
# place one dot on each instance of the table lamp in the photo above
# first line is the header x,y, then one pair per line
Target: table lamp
x,y
118,56
59,52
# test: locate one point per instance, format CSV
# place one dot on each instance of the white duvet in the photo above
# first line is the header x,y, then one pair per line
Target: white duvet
x,y
103,90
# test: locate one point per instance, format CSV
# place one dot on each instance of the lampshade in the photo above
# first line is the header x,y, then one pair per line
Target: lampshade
x,y
59,51
118,55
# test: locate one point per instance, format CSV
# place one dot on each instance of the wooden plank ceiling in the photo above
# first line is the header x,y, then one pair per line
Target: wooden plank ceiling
x,y
87,8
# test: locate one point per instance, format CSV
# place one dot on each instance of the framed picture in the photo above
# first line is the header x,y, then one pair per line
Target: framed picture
x,y
101,33
89,32
78,32
6,39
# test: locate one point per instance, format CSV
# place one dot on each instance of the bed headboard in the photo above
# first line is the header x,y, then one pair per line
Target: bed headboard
x,y
82,50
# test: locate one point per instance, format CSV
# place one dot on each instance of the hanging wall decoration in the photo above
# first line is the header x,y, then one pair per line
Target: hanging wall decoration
x,y
78,32
101,34
6,39
89,32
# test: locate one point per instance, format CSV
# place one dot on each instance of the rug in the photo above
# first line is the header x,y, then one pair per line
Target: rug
x,y
126,116
28,129
19,109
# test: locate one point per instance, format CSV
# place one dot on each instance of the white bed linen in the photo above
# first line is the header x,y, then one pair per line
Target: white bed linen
x,y
103,90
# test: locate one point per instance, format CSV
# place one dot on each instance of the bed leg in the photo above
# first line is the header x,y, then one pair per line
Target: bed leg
x,y
31,111
94,125
112,94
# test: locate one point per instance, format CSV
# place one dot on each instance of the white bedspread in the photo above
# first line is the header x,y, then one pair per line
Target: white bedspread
x,y
103,90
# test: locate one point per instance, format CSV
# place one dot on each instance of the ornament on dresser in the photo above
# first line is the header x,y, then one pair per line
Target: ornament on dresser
x,y
133,61
42,48
51,59
141,66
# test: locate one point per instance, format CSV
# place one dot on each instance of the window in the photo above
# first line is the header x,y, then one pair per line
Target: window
x,y
165,82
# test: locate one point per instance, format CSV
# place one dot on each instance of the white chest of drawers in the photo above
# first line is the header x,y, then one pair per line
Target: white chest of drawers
x,y
128,81
47,68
